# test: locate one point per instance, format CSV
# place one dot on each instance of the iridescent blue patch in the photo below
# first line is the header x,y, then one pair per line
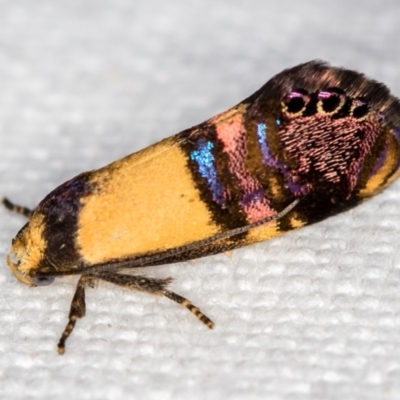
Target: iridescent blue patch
x,y
262,139
205,159
271,161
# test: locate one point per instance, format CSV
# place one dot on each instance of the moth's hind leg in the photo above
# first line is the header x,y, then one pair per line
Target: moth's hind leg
x,y
190,306
156,287
26,212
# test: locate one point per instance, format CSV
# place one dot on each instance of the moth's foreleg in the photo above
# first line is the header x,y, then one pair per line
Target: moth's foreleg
x,y
156,287
26,212
77,310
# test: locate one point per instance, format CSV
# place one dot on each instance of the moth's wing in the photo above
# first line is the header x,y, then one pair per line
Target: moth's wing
x,y
216,244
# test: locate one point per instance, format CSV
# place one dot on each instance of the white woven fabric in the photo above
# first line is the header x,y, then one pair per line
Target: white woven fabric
x,y
312,315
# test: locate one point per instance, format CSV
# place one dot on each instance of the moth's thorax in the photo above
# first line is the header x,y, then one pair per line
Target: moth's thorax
x,y
28,250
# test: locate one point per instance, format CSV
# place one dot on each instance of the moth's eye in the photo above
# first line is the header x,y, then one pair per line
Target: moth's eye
x,y
360,109
295,102
43,280
330,100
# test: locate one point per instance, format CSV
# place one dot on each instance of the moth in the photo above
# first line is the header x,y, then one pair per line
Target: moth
x,y
314,141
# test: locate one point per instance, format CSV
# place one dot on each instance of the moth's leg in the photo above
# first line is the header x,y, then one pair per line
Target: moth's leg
x,y
26,212
190,306
77,309
156,287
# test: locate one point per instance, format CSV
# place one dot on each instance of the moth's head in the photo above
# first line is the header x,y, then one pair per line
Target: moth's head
x,y
27,256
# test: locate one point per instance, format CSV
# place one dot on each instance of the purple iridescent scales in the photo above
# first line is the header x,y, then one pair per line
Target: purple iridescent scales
x,y
325,135
331,143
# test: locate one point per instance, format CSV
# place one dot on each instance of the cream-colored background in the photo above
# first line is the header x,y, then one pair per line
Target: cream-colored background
x,y
312,315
